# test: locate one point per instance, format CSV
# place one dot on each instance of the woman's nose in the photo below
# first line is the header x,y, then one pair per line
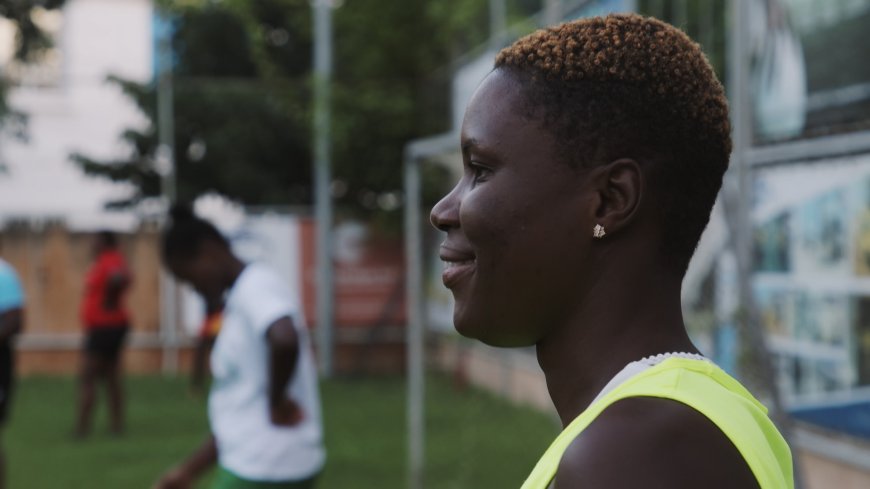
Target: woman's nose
x,y
445,214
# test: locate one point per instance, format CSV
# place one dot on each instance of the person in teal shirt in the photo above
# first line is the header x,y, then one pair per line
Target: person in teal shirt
x,y
11,323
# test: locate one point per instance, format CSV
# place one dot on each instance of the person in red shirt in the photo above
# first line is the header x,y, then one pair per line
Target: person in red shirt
x,y
106,323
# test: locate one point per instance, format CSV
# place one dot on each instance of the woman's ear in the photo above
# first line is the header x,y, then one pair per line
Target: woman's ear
x,y
619,187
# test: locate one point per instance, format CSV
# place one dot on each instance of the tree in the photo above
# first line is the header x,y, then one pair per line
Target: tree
x,y
237,133
243,104
30,42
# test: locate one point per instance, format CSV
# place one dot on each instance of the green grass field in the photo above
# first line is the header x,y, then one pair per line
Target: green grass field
x,y
474,439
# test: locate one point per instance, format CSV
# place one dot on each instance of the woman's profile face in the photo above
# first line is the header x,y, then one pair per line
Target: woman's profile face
x,y
518,224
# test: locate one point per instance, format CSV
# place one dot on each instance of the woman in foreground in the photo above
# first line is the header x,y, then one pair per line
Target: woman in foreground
x,y
593,154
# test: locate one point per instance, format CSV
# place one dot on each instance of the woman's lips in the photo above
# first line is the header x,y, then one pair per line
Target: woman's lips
x,y
455,271
458,264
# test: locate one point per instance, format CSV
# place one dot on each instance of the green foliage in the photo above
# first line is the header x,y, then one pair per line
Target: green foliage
x,y
464,24
243,92
386,54
30,41
237,132
234,137
8,116
705,21
470,435
29,38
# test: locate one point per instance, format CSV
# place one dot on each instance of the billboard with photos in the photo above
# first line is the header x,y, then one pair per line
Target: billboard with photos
x,y
812,272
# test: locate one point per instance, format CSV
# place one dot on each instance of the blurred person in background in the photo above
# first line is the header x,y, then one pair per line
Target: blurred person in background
x,y
264,406
11,322
593,154
106,323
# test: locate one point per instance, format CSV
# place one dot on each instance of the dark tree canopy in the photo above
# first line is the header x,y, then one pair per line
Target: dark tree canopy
x,y
238,132
29,38
30,41
242,81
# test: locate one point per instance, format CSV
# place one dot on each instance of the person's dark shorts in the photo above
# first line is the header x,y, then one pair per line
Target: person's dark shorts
x,y
7,374
106,342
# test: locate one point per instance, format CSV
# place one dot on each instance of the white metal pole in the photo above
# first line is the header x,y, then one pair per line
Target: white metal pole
x,y
415,336
165,157
322,178
497,22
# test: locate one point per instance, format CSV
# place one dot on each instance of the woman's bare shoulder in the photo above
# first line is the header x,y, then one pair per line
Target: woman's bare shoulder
x,y
650,442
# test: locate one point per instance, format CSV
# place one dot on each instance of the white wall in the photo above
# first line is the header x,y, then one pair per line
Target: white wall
x,y
81,113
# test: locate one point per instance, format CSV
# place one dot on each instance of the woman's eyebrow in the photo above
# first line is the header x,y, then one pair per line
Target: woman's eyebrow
x,y
469,144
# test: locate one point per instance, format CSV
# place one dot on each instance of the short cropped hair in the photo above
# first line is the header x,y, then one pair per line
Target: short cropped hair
x,y
186,233
631,86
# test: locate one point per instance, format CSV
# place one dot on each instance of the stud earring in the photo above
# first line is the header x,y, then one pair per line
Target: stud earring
x,y
598,231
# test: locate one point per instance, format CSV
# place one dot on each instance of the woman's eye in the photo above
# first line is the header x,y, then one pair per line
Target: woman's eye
x,y
479,173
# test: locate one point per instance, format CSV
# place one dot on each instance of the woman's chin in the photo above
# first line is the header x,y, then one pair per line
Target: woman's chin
x,y
489,334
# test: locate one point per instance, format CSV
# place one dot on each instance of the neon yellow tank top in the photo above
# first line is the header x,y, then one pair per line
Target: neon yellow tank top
x,y
709,390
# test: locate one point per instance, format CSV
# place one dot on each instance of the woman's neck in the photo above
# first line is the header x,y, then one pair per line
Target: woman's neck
x,y
605,334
